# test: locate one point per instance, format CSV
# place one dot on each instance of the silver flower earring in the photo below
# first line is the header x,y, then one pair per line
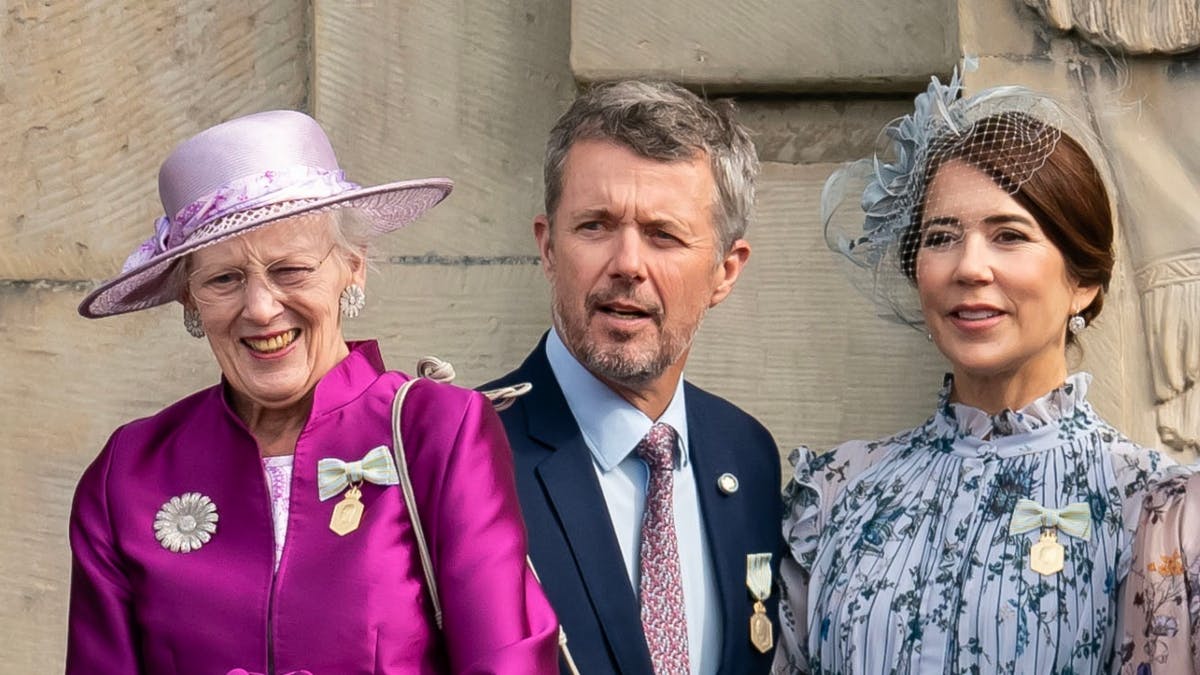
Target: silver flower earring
x,y
1076,324
191,322
352,300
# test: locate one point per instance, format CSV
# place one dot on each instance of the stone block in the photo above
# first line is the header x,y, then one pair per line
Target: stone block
x,y
67,384
807,131
797,345
465,90
1063,79
1014,30
1007,28
810,45
94,96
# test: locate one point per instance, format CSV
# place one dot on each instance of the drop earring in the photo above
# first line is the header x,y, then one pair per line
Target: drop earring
x,y
192,323
352,300
1076,324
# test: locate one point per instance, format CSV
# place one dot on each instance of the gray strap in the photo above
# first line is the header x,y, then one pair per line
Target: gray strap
x,y
410,501
441,371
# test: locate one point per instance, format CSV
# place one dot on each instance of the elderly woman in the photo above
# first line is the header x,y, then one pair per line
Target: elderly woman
x,y
993,537
260,525
1161,609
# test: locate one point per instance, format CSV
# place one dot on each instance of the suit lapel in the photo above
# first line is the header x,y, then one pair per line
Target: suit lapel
x,y
711,457
569,479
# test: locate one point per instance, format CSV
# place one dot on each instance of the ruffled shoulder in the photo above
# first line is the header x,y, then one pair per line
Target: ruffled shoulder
x,y
802,497
818,479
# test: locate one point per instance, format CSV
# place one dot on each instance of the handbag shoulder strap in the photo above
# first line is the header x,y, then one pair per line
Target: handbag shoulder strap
x,y
435,369
410,501
441,371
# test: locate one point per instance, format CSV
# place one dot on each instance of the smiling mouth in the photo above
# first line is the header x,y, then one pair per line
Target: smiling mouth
x,y
975,314
272,344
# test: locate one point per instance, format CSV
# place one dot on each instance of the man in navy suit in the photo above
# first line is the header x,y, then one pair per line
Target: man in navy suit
x,y
652,506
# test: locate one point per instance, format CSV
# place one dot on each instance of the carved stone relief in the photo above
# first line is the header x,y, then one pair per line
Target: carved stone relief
x,y
1129,26
1143,109
1144,116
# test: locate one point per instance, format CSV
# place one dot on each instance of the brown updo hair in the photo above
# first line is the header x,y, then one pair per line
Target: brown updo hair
x,y
1066,196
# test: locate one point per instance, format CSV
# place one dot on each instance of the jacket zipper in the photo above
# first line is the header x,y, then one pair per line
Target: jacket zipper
x,y
270,629
274,572
283,551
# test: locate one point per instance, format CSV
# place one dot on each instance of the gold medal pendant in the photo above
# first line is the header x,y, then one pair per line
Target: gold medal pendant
x,y
758,581
762,634
1046,556
347,513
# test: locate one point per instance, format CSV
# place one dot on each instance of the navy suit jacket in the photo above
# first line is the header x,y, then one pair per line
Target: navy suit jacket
x,y
571,539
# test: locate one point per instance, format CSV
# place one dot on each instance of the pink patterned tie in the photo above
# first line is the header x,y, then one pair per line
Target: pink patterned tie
x,y
663,617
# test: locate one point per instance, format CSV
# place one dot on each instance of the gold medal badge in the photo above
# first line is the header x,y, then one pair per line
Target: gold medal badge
x,y
1047,555
348,512
758,580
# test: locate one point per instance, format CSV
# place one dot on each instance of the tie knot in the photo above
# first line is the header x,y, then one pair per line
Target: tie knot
x,y
657,447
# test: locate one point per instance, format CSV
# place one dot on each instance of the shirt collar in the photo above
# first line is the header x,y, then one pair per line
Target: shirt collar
x,y
611,426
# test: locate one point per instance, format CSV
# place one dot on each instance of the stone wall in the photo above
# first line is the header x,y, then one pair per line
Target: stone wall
x,y
94,98
93,95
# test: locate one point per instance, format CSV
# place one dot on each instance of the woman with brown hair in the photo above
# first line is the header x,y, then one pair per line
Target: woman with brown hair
x,y
993,537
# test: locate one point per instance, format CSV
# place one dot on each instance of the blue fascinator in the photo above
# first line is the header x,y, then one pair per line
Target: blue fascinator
x,y
869,208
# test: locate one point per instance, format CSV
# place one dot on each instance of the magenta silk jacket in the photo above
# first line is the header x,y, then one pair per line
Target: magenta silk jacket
x,y
337,605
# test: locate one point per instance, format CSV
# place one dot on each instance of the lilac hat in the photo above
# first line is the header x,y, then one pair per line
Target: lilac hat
x,y
239,175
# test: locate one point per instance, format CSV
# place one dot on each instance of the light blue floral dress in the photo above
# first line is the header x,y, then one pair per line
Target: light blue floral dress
x,y
902,560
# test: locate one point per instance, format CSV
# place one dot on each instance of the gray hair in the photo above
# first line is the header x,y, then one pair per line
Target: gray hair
x,y
662,121
351,230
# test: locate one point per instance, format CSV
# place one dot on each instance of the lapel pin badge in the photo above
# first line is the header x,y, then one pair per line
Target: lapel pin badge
x,y
727,483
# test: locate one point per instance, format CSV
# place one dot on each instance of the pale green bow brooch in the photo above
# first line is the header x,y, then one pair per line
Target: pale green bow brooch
x,y
334,475
1074,519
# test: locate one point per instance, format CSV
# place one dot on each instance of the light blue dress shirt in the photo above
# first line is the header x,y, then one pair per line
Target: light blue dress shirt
x,y
612,428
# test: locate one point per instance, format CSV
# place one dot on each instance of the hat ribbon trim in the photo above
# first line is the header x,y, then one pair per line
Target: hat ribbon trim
x,y
269,187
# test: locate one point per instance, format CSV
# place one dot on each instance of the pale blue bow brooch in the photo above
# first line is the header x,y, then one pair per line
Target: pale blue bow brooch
x,y
1046,556
334,476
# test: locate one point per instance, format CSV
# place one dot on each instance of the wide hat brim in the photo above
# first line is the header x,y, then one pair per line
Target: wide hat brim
x,y
388,207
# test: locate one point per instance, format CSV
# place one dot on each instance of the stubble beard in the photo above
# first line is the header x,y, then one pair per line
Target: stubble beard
x,y
619,359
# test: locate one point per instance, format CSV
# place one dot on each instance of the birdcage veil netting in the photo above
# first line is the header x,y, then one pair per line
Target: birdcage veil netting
x,y
874,210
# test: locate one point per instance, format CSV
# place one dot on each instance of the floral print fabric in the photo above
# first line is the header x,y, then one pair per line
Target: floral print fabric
x,y
902,560
278,471
1161,610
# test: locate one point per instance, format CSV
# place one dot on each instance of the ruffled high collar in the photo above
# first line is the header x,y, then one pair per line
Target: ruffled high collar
x,y
1050,410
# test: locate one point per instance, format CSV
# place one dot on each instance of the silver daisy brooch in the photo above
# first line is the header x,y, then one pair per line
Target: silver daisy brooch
x,y
185,523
